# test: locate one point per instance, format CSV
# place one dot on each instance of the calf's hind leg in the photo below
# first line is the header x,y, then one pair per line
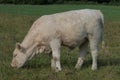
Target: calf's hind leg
x,y
94,51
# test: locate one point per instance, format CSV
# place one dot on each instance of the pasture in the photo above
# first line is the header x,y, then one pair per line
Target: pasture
x,y
15,21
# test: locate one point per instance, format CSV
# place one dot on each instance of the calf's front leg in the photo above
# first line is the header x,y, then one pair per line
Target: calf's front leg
x,y
55,61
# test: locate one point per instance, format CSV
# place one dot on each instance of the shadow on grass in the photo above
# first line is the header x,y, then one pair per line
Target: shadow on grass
x,y
32,65
109,62
103,62
71,64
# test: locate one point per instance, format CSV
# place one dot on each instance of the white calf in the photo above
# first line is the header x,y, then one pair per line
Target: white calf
x,y
71,29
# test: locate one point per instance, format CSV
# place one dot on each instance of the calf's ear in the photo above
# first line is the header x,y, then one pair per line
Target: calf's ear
x,y
19,47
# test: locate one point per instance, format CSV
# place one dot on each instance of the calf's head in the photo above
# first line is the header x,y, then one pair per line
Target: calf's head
x,y
19,56
22,55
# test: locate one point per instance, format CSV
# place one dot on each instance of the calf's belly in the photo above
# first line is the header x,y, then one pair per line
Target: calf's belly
x,y
74,43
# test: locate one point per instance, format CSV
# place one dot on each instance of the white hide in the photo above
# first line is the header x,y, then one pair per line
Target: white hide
x,y
74,28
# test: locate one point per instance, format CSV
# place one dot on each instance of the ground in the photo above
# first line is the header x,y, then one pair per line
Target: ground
x,y
15,21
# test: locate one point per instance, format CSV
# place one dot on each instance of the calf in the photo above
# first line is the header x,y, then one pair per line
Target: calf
x,y
76,28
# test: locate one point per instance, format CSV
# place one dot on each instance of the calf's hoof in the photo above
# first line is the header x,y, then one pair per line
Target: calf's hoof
x,y
56,69
94,68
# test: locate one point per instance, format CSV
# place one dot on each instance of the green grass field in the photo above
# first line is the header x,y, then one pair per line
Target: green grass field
x,y
15,21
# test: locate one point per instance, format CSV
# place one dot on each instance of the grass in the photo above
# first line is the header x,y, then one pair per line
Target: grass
x,y
15,21
38,10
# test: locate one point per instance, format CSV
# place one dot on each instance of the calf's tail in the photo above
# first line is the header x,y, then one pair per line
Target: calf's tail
x,y
104,46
